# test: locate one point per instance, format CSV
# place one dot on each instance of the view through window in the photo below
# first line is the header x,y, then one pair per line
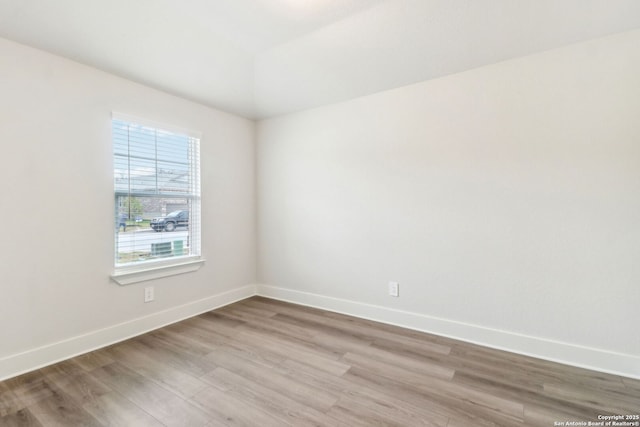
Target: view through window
x,y
157,192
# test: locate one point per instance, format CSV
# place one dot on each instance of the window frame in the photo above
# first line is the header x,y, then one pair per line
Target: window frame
x,y
129,273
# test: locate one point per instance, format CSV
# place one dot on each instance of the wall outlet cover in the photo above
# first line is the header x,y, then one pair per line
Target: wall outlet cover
x,y
394,289
149,294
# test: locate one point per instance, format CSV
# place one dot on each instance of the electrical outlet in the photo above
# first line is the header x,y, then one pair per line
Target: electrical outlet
x,y
148,294
394,289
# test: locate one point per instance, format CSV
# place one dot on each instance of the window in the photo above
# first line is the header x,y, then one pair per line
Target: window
x,y
156,173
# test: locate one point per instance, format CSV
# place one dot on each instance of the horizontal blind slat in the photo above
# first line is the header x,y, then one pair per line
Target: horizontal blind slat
x,y
157,187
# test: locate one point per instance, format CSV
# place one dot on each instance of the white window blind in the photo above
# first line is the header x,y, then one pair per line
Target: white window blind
x,y
157,192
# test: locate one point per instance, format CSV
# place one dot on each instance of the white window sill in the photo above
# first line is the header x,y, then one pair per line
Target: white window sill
x,y
129,275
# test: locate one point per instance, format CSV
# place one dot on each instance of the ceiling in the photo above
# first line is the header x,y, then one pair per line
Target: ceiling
x,y
263,58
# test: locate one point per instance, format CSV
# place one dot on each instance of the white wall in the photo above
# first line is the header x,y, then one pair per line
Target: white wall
x,y
57,203
505,200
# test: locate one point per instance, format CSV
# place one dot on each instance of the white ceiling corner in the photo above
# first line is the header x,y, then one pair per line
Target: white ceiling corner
x,y
261,58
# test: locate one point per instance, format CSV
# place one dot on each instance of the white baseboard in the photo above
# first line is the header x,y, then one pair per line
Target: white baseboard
x,y
569,354
36,358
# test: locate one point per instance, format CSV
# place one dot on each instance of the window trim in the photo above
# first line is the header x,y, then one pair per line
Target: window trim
x,y
150,123
129,275
155,269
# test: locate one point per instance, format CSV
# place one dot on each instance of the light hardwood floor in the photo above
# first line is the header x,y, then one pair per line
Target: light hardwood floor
x,y
261,362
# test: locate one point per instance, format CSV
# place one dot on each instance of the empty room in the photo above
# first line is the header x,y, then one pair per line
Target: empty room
x,y
320,212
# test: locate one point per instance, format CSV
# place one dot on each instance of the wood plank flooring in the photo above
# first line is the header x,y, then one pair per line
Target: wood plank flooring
x,y
261,362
